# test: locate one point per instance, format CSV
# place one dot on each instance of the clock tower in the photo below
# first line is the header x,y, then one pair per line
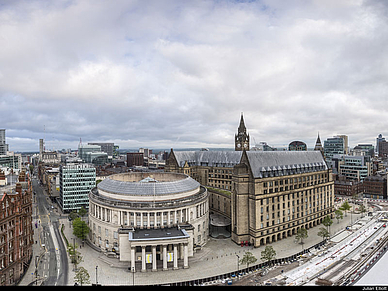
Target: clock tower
x,y
241,139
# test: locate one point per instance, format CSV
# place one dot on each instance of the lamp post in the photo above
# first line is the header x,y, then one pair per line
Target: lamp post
x,y
96,276
133,276
238,263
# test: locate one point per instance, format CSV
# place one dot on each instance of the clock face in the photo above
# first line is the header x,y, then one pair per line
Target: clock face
x,y
239,145
245,145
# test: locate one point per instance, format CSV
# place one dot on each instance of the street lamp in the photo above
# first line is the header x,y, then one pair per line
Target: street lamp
x,y
96,276
238,263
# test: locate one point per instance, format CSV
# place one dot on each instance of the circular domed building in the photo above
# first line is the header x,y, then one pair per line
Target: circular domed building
x,y
150,219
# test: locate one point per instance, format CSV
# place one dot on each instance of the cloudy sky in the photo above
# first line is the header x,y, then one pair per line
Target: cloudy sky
x,y
178,74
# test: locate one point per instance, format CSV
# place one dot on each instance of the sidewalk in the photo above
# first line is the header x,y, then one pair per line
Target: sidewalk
x,y
217,257
37,250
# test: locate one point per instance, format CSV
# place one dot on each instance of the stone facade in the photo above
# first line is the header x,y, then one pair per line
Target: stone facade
x,y
126,206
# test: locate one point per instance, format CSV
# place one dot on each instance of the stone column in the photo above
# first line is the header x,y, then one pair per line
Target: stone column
x,y
175,257
133,259
175,217
186,256
165,258
141,220
168,218
154,268
143,259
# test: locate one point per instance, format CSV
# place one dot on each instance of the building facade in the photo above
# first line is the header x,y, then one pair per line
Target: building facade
x,y
375,187
333,146
3,146
154,221
16,232
276,193
75,183
270,194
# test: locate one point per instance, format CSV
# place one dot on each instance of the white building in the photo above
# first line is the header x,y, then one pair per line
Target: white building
x,y
75,183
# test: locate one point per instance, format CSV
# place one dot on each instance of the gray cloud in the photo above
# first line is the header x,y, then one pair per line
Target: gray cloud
x,y
174,74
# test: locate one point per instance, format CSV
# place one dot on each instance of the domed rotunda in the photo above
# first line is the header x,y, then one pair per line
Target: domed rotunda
x,y
152,220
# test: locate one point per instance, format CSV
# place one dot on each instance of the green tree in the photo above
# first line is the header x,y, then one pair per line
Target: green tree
x,y
345,207
301,234
82,211
73,215
80,228
248,258
327,222
338,215
75,255
268,254
362,209
82,276
323,232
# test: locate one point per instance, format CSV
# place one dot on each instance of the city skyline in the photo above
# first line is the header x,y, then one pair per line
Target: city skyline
x,y
162,74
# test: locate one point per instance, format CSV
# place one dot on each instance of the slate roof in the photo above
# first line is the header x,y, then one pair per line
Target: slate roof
x,y
281,163
208,158
263,163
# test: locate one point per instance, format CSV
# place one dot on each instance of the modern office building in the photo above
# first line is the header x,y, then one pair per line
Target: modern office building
x,y
11,160
106,147
332,146
155,220
353,167
379,139
92,153
3,146
75,183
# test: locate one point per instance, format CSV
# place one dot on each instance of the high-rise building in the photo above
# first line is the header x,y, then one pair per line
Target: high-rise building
x,y
332,146
75,183
3,145
379,139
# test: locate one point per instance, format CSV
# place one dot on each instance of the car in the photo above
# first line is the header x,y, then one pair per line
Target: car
x,y
384,225
375,227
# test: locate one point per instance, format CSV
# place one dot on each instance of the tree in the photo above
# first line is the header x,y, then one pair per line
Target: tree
x,y
338,215
73,215
75,255
82,211
80,228
248,258
82,276
323,232
327,222
268,254
345,207
362,209
301,234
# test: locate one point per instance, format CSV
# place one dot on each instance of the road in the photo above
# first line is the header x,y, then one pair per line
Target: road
x,y
53,263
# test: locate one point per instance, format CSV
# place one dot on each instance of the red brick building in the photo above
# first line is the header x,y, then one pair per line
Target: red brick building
x,y
16,232
135,159
375,187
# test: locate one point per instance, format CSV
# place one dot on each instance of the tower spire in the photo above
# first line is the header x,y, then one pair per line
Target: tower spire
x,y
241,138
